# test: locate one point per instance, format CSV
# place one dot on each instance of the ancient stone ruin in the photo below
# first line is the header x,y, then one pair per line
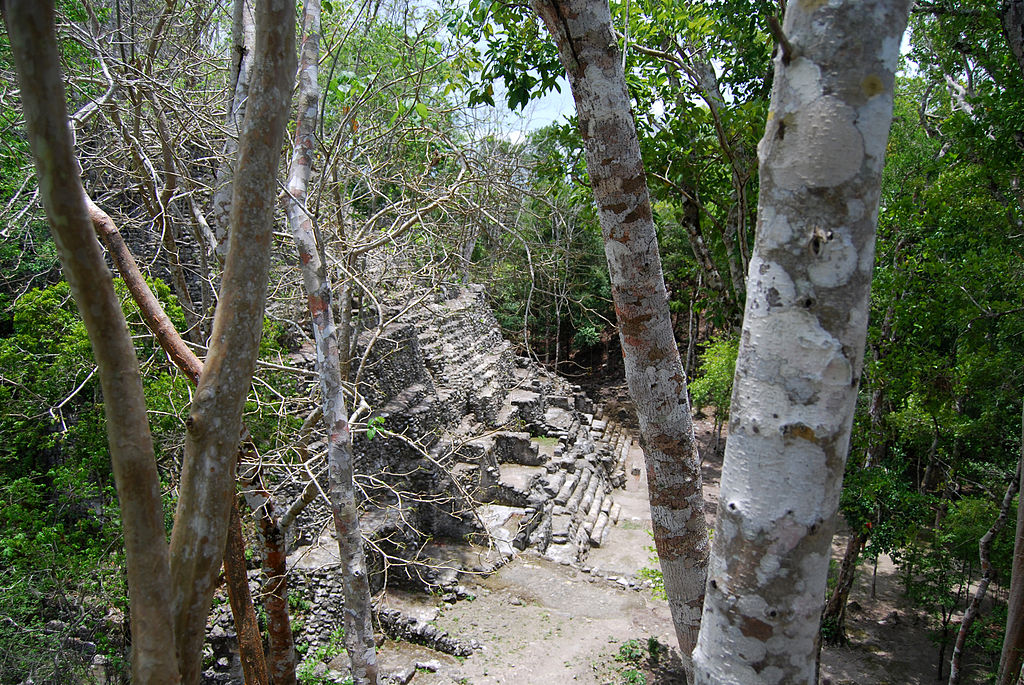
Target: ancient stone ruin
x,y
493,455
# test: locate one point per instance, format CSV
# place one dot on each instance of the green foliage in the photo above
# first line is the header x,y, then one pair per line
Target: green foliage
x,y
883,502
631,652
964,525
942,374
713,385
550,286
586,337
654,573
636,654
985,641
518,51
373,425
307,673
933,580
60,533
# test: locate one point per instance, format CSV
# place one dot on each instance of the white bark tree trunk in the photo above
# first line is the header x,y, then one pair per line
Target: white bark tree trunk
x,y
355,583
243,40
801,350
588,50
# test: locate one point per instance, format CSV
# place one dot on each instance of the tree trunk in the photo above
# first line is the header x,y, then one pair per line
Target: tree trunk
x,y
834,615
835,607
1012,15
987,574
355,583
250,643
215,419
801,348
281,659
1013,639
588,50
30,27
243,39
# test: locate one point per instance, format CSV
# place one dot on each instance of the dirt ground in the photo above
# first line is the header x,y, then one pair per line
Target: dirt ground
x,y
540,622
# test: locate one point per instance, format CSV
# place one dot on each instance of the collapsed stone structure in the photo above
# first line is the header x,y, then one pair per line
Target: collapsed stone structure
x,y
475,454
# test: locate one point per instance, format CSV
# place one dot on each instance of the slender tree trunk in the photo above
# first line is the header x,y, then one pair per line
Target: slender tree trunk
x,y
1013,639
801,348
835,607
355,583
690,220
243,40
927,481
30,27
988,572
588,50
215,419
250,643
281,659
1012,15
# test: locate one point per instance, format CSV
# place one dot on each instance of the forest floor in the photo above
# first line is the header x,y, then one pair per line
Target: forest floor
x,y
541,622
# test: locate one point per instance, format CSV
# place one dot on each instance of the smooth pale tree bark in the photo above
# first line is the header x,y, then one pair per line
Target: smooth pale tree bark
x,y
243,40
30,27
835,608
802,344
988,572
588,50
250,643
1013,639
355,584
215,419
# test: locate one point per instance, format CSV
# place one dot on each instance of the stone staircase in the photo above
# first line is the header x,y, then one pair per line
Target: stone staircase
x,y
511,457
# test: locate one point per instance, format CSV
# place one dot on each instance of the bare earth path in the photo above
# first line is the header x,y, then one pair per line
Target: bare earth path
x,y
539,622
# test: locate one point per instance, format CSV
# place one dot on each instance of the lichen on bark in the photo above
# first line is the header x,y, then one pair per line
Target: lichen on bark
x,y
802,342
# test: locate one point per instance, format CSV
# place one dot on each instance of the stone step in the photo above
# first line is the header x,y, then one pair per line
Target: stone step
x,y
562,553
590,495
521,478
600,530
487,402
579,491
553,483
567,488
561,528
617,438
502,524
506,414
622,456
594,512
542,535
